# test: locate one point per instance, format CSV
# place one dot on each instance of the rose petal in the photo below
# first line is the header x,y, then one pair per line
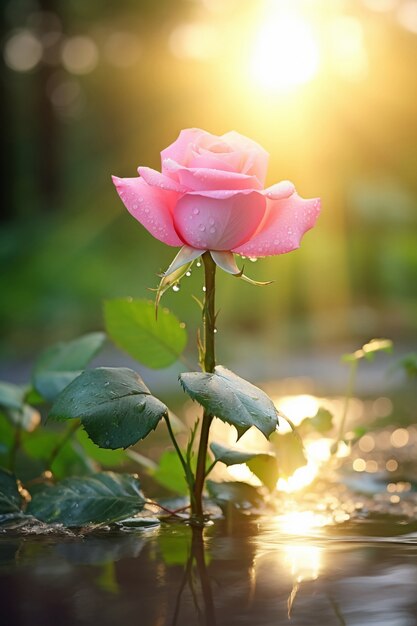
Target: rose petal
x,y
204,179
156,179
225,161
285,223
181,150
218,220
283,189
151,206
255,161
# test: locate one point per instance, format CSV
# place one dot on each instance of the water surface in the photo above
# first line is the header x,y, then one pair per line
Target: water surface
x,y
244,572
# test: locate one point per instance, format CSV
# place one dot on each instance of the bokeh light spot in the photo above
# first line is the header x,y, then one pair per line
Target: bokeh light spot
x,y
407,15
23,51
391,465
359,465
79,55
367,443
122,49
400,437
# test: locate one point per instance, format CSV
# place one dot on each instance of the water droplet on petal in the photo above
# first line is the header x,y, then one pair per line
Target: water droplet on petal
x,y
212,230
196,211
140,199
202,228
211,221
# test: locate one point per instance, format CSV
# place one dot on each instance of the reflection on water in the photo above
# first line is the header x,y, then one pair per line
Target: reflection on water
x,y
342,551
303,561
301,523
244,571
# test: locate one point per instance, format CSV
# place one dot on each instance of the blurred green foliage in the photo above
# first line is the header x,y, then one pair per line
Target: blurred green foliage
x,y
67,243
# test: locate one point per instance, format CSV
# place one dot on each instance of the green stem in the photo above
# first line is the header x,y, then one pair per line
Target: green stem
x,y
348,397
74,427
15,447
187,471
210,468
174,513
209,363
198,551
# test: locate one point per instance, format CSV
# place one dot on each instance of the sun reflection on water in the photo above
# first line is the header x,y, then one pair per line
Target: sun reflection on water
x,y
295,560
301,522
303,561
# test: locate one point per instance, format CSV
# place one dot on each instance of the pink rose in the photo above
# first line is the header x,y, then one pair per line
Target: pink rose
x,y
210,196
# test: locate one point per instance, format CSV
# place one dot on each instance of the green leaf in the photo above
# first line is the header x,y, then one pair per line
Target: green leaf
x,y
100,499
232,399
114,406
40,444
26,417
409,364
229,456
12,406
369,350
133,327
71,459
377,345
106,458
6,440
58,365
10,499
170,473
238,494
33,397
289,451
322,422
265,467
11,396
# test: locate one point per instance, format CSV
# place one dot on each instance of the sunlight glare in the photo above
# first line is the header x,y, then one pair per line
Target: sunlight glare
x,y
285,51
317,452
302,522
298,407
303,561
